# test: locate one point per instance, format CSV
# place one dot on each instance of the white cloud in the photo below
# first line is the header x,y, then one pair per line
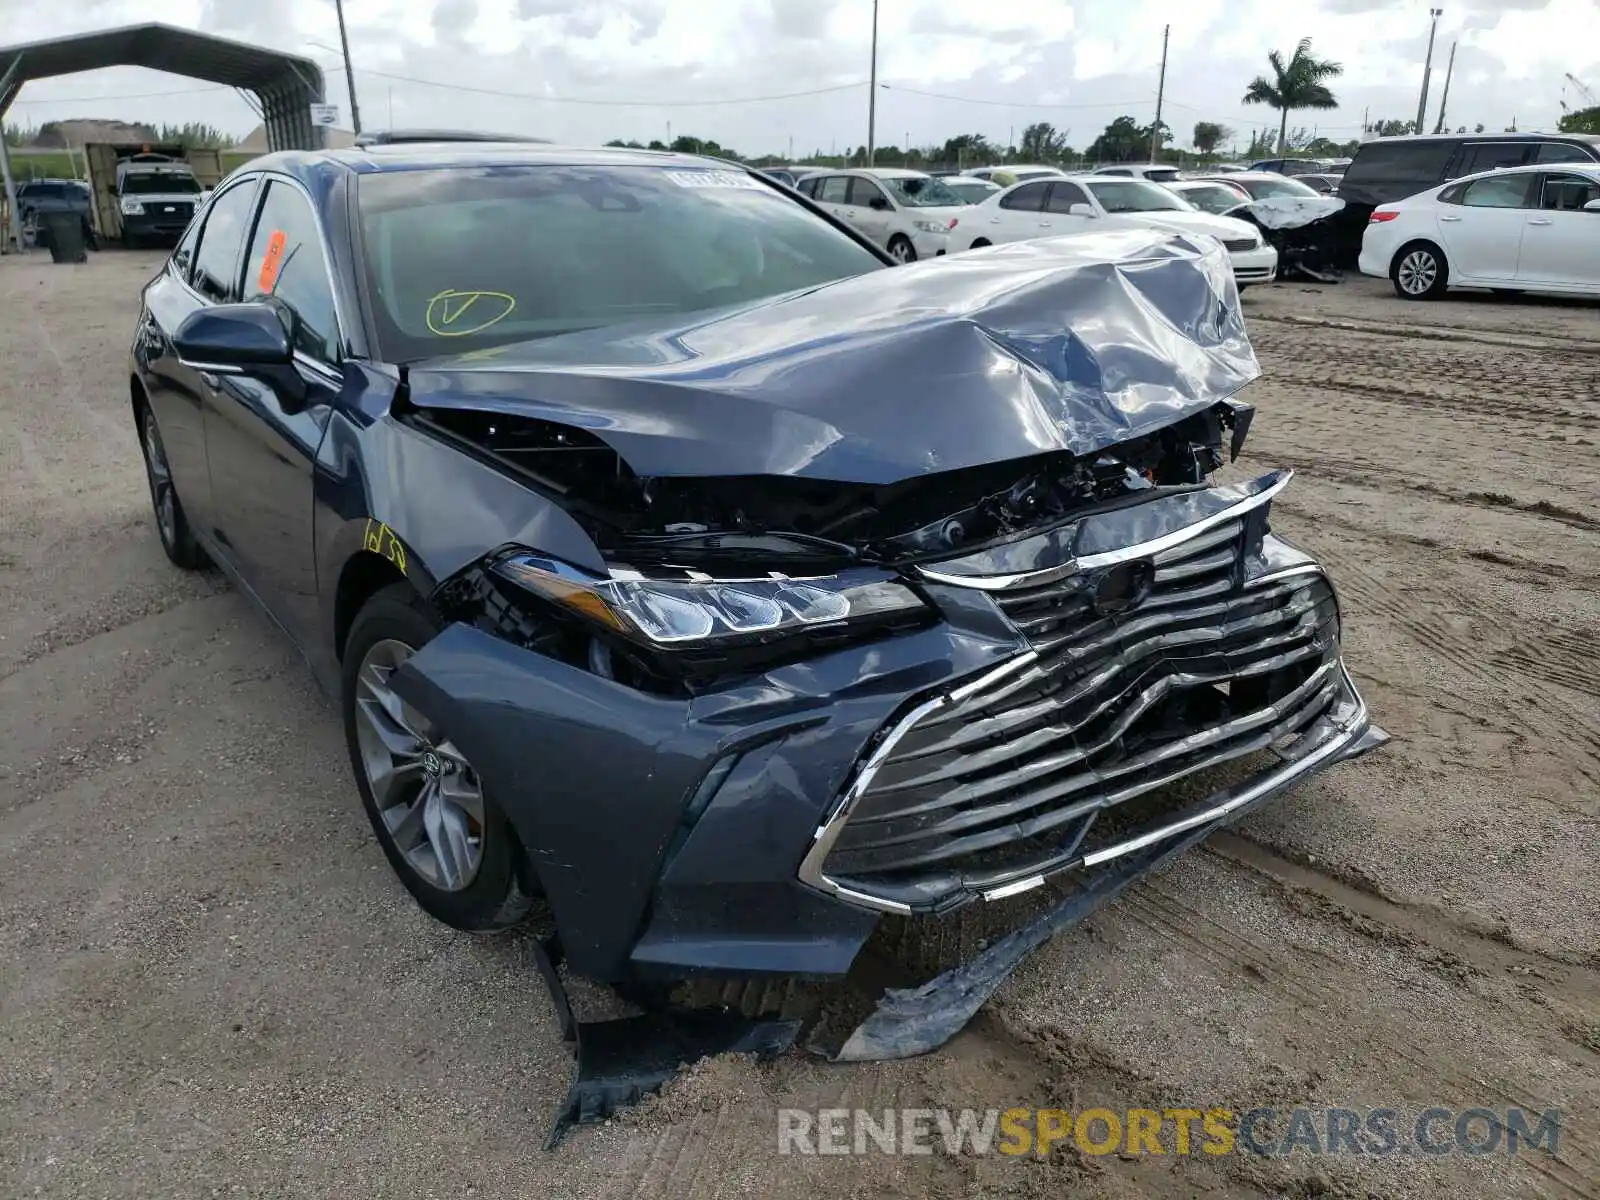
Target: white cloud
x,y
1074,64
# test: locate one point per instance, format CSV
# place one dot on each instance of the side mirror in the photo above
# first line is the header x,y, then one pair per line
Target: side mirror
x,y
1081,210
243,339
1592,206
878,202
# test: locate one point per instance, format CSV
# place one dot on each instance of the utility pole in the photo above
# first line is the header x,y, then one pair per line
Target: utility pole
x,y
872,94
349,71
1161,89
1427,69
15,231
1444,97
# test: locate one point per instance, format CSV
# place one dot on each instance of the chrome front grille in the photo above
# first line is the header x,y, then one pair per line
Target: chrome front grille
x,y
1241,243
1008,780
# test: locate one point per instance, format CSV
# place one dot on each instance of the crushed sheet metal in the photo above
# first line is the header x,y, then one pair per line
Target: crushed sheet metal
x,y
1071,344
1302,230
1289,212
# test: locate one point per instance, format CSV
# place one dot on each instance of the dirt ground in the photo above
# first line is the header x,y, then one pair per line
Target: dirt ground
x,y
211,984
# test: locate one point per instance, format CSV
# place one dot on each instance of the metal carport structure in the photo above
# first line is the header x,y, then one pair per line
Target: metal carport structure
x,y
285,85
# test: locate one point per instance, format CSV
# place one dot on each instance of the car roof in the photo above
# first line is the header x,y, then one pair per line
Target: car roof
x,y
889,172
969,179
415,156
1592,139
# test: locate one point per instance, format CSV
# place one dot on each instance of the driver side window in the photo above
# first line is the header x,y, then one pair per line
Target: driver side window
x,y
863,192
1027,198
286,263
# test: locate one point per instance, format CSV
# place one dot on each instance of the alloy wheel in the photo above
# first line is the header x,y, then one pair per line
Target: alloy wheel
x,y
903,252
162,496
428,795
1418,272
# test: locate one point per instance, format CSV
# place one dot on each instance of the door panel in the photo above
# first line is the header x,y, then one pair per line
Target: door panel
x,y
203,271
1561,242
1018,214
877,223
262,445
1482,234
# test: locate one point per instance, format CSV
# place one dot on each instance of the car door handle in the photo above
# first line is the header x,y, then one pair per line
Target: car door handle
x,y
1449,218
210,380
1539,221
1044,224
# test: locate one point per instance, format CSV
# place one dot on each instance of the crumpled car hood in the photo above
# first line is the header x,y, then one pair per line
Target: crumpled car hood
x,y
1289,212
1070,344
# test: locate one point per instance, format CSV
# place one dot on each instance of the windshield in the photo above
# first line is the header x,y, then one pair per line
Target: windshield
x,y
1134,195
973,191
464,259
1162,174
922,192
1262,188
150,183
1212,197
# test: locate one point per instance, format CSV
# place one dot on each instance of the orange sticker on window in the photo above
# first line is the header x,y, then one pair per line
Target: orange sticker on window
x,y
272,262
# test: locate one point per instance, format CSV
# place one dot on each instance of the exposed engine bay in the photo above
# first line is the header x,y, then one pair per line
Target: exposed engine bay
x,y
765,522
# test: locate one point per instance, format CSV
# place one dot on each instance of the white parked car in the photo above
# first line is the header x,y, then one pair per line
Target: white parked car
x,y
1534,227
1154,172
1077,203
1020,172
1209,195
970,188
909,214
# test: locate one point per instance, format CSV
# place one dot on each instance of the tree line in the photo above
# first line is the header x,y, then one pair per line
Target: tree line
x,y
52,135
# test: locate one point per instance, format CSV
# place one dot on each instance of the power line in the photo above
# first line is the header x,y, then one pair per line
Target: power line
x,y
123,96
482,91
1017,103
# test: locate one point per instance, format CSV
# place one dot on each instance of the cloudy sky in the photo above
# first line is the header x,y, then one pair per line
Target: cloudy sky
x,y
763,76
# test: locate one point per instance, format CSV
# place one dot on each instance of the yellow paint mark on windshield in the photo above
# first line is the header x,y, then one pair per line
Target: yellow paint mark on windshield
x,y
460,314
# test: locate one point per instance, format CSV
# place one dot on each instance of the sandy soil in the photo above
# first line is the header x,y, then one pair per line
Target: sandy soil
x,y
210,983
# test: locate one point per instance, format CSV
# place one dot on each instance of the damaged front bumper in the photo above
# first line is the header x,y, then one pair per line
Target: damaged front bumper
x,y
1036,733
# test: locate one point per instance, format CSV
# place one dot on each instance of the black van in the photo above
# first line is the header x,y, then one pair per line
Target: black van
x,y
1393,168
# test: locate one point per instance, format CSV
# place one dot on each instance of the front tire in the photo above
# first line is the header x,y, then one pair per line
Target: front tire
x,y
1420,272
446,839
901,249
177,539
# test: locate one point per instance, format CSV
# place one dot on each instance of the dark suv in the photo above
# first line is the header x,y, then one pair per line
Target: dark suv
x,y
38,197
1388,169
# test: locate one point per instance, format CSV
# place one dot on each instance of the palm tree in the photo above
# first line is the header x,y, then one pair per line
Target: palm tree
x,y
1302,82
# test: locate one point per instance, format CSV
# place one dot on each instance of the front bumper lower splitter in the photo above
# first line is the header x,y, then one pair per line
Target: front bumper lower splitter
x,y
621,1060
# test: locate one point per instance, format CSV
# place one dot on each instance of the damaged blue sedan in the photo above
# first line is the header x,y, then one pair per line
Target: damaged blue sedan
x,y
685,567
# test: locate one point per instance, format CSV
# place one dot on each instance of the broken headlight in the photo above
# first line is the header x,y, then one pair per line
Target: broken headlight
x,y
694,608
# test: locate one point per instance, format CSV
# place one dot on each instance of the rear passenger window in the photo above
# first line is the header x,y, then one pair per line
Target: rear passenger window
x,y
1490,156
183,256
1385,171
216,263
286,263
1497,191
835,189
1560,152
1027,198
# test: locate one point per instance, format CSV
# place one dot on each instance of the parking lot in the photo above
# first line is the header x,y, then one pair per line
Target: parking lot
x,y
212,984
